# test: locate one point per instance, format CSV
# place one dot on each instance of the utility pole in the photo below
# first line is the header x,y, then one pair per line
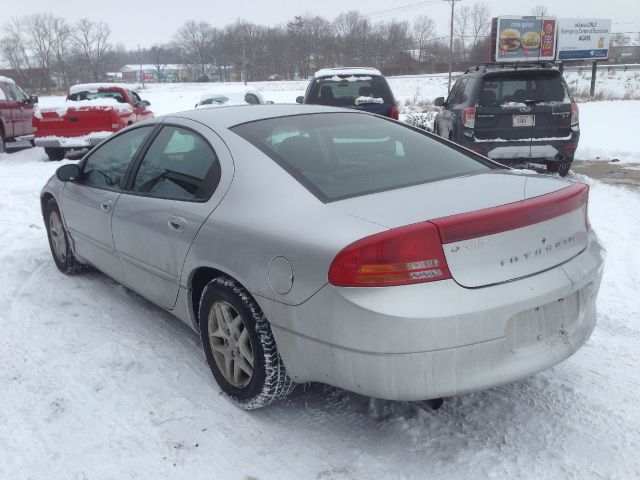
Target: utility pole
x,y
452,3
140,64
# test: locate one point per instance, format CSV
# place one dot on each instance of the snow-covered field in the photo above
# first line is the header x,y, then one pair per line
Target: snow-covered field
x,y
96,383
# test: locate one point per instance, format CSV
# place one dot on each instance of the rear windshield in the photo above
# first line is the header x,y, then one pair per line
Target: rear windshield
x,y
118,96
342,155
344,90
510,89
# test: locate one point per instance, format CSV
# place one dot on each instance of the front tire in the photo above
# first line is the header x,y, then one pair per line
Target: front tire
x,y
55,154
63,256
239,346
563,169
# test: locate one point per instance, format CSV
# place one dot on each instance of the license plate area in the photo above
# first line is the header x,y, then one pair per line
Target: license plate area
x,y
524,120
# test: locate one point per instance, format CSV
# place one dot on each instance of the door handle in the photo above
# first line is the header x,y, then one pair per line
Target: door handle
x,y
177,223
106,205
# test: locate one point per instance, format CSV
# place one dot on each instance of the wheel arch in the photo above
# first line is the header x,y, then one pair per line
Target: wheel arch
x,y
198,280
45,197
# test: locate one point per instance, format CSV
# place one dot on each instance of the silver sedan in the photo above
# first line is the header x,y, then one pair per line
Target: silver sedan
x,y
309,243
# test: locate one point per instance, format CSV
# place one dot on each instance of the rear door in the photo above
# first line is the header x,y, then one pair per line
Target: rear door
x,y
178,183
452,110
506,112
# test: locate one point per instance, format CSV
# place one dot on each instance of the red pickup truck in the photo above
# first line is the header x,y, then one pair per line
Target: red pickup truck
x,y
16,109
91,113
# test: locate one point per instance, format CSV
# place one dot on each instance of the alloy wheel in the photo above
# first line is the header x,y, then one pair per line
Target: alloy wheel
x,y
230,344
58,239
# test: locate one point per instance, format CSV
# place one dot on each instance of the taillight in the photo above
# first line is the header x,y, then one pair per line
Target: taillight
x,y
400,256
469,117
493,220
394,112
575,115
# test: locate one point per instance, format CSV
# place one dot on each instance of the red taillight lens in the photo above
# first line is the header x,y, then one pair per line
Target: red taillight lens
x,y
511,216
394,112
575,115
469,117
400,256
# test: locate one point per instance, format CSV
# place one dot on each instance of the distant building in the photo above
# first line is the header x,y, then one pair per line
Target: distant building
x,y
151,74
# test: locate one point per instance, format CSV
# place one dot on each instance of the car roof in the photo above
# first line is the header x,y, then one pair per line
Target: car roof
x,y
329,72
228,116
94,87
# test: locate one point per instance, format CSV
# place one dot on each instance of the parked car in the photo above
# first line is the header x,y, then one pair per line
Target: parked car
x,y
91,113
513,112
227,96
310,243
358,88
16,109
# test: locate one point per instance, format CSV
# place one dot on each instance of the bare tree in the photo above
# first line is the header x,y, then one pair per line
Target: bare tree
x,y
41,39
461,28
424,29
480,22
196,41
13,48
91,43
62,34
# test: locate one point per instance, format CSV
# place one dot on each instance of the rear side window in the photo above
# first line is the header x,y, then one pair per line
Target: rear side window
x,y
517,89
180,165
16,93
343,90
342,155
2,94
117,96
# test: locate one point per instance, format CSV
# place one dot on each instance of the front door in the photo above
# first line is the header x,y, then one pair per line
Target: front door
x,y
88,203
155,221
22,112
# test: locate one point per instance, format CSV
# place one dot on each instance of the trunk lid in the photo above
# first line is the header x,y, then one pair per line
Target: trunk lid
x,y
527,224
524,107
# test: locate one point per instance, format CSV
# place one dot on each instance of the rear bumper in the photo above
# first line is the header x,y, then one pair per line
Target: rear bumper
x,y
84,141
543,150
439,339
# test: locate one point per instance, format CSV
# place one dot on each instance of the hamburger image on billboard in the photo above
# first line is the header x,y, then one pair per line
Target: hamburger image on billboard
x,y
510,39
522,39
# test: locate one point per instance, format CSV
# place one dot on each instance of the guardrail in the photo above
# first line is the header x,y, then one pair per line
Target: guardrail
x,y
602,67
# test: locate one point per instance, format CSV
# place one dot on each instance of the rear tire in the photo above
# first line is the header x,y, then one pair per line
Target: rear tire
x,y
552,167
59,241
239,346
55,154
564,167
2,143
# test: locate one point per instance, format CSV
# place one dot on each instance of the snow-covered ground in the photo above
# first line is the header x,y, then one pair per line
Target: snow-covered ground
x,y
97,383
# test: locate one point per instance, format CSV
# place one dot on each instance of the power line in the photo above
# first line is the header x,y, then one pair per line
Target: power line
x,y
401,9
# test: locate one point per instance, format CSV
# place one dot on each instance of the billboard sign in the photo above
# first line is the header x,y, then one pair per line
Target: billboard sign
x,y
583,39
525,39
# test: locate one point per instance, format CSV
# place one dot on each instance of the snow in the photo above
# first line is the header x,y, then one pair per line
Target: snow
x,y
98,383
61,109
361,100
609,130
94,87
329,72
6,80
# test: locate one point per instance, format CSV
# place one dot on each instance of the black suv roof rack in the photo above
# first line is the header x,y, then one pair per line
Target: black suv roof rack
x,y
484,67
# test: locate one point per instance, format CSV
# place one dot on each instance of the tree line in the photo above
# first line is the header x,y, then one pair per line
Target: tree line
x,y
67,53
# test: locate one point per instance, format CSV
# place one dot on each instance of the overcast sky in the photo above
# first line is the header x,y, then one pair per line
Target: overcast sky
x,y
146,22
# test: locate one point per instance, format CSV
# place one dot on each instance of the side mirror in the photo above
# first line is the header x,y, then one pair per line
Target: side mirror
x,y
439,102
300,99
33,99
68,172
196,105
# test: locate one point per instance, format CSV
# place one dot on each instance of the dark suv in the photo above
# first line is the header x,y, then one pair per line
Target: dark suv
x,y
512,112
359,88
